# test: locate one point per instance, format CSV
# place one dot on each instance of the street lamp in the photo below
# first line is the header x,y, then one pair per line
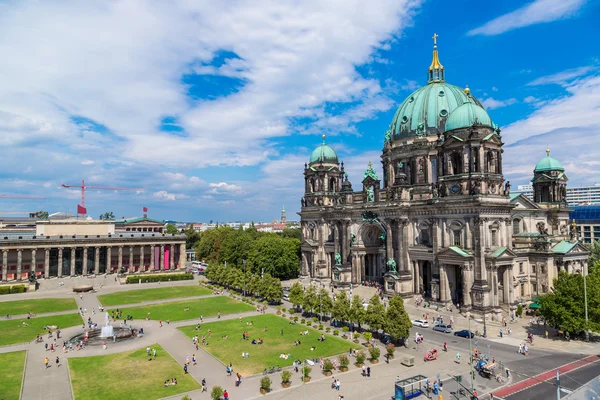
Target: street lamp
x,y
587,333
244,262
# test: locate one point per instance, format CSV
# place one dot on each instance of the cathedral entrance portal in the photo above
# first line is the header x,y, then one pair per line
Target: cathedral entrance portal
x,y
425,273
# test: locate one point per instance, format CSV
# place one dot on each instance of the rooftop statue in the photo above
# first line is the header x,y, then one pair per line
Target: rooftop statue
x,y
370,172
338,259
370,195
388,135
391,263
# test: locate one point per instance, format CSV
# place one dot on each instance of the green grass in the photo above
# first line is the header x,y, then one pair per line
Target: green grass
x,y
13,330
37,306
265,355
128,375
11,371
174,310
139,296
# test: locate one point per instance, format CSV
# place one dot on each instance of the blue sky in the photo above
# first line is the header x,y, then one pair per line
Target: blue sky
x,y
214,107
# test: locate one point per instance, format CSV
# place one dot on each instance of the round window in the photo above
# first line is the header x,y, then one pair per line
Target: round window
x,y
443,113
404,119
441,93
411,99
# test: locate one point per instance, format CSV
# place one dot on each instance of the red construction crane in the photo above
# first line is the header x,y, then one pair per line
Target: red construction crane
x,y
6,196
83,187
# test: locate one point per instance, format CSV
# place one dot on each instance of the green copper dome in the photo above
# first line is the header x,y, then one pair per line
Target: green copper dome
x,y
427,109
323,154
548,164
467,115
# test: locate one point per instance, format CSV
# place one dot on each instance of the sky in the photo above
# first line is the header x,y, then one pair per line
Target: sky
x,y
212,108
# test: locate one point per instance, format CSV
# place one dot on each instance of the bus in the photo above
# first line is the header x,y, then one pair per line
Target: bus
x,y
198,267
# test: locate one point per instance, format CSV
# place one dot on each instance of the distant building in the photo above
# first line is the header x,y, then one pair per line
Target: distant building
x,y
587,220
576,196
283,218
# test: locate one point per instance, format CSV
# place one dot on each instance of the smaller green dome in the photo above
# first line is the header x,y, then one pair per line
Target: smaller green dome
x,y
548,164
323,154
467,115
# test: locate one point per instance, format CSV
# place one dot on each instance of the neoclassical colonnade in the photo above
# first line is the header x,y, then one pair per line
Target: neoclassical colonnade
x,y
63,259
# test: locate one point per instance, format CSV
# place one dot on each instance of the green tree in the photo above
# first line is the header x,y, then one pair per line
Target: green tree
x,y
563,307
341,307
271,289
107,216
192,237
236,246
375,313
594,257
297,294
171,229
42,215
311,299
357,312
275,255
291,233
397,322
325,302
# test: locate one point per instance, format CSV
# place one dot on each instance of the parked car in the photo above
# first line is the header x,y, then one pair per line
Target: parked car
x,y
443,328
421,323
465,333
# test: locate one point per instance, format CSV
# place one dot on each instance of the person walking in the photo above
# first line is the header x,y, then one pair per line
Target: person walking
x,y
57,362
193,359
46,362
154,353
368,372
148,351
225,395
364,370
184,369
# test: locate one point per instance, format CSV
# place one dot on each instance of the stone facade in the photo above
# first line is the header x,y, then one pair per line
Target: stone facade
x,y
442,222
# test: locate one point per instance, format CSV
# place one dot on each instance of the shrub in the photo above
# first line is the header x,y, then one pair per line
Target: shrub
x,y
361,357
278,308
306,372
356,335
295,318
315,320
292,311
158,278
328,329
344,362
17,289
345,329
308,322
374,352
390,348
283,309
336,332
286,376
216,393
327,365
368,336
265,383
186,397
519,311
320,327
302,321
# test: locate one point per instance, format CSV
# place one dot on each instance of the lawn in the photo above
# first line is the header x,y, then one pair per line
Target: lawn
x,y
175,310
11,371
265,355
37,306
128,375
13,330
139,296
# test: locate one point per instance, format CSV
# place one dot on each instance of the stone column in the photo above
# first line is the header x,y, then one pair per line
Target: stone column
x,y
142,266
467,283
47,263
182,255
362,267
33,266
73,249
4,265
131,267
469,243
120,262
417,280
108,259
162,257
83,261
444,284
172,257
97,261
19,264
509,232
152,257
388,240
60,261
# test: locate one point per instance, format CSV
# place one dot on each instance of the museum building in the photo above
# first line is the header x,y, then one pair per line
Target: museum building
x,y
63,245
442,221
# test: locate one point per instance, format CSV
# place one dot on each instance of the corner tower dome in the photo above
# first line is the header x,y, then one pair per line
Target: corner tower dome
x,y
427,109
548,164
323,154
467,115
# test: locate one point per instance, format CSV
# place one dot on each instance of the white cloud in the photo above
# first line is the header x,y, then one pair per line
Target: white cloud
x,y
224,187
494,89
530,99
87,162
490,103
164,195
536,12
562,77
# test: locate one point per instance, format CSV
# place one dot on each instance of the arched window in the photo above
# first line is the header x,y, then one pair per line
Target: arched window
x,y
457,163
516,226
312,185
491,166
332,184
424,236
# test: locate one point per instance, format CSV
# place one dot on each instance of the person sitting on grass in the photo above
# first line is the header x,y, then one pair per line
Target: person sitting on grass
x,y
224,337
166,383
186,309
265,329
174,381
313,348
260,341
253,341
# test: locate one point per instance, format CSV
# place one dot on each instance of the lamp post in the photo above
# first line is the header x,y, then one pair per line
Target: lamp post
x,y
587,333
244,262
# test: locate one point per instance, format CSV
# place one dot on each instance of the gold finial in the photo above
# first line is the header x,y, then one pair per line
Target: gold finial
x,y
467,90
323,136
547,152
436,69
435,36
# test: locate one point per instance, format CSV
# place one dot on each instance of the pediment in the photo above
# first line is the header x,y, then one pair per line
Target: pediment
x,y
522,202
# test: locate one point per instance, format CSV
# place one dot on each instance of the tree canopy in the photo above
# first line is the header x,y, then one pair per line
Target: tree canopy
x,y
397,322
375,313
171,229
341,307
296,295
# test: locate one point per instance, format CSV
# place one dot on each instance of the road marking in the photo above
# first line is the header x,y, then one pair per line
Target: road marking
x,y
544,376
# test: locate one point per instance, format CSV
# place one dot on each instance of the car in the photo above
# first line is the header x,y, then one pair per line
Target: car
x,y
443,328
286,297
465,333
421,323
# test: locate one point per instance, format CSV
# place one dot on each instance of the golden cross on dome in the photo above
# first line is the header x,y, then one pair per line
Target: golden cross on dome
x,y
435,36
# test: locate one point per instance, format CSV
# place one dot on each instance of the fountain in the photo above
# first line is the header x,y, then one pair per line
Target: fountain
x,y
107,329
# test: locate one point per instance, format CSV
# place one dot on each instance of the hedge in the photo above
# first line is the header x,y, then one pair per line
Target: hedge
x,y
159,278
12,289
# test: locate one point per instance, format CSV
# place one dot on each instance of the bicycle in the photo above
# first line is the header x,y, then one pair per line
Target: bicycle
x,y
272,370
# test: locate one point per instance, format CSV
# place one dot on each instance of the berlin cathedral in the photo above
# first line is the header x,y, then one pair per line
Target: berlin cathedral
x,y
441,222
